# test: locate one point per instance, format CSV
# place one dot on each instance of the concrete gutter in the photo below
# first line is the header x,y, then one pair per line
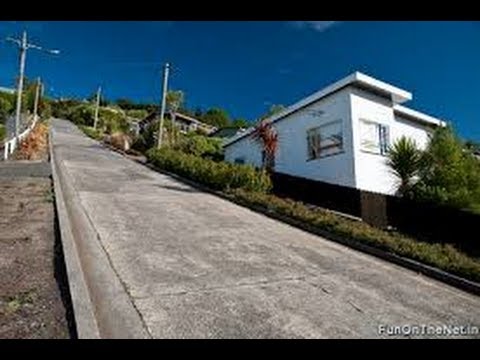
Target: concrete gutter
x,y
101,305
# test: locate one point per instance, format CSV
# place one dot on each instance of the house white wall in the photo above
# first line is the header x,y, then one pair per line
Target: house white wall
x,y
371,171
292,155
246,149
353,167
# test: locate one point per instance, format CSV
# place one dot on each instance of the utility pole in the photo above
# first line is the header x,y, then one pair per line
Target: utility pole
x,y
23,46
23,54
37,96
97,106
162,109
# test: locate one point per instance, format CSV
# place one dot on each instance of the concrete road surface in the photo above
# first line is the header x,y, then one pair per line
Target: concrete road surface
x,y
197,266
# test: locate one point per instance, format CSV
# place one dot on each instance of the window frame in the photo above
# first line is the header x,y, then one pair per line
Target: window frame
x,y
239,160
318,133
383,145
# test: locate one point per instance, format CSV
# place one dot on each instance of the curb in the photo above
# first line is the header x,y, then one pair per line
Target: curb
x,y
101,304
83,313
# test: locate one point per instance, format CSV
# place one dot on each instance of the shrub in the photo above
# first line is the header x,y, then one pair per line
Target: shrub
x,y
147,138
45,109
3,132
61,108
112,122
449,174
35,146
443,256
137,113
218,176
81,114
91,132
199,145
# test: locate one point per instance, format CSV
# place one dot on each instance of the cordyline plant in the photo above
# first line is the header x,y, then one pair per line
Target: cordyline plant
x,y
266,135
404,160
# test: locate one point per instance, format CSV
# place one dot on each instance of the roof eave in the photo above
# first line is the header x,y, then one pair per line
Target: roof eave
x,y
418,116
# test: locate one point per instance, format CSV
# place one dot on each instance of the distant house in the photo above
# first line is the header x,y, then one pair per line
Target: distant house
x,y
341,134
134,125
184,122
227,132
7,90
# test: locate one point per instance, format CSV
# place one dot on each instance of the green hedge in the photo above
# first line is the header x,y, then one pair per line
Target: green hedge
x,y
442,256
91,132
216,175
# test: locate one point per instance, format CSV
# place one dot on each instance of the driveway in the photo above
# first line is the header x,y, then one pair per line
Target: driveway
x,y
197,266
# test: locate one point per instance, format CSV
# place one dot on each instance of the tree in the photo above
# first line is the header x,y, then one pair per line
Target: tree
x,y
93,99
216,117
28,98
404,162
240,123
3,132
7,102
472,145
44,108
274,109
174,100
198,113
125,104
449,173
266,135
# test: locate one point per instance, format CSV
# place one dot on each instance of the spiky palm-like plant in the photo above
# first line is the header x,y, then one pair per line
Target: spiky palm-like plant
x,y
404,160
266,135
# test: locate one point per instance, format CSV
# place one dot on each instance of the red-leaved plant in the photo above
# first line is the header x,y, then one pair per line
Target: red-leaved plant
x,y
267,136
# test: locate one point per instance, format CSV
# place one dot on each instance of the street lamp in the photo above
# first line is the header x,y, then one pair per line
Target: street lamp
x,y
23,46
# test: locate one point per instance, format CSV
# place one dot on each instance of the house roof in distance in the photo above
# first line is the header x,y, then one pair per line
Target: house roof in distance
x,y
357,79
7,90
227,132
153,115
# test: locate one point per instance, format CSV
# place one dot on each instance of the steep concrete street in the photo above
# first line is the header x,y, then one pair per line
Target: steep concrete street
x,y
192,265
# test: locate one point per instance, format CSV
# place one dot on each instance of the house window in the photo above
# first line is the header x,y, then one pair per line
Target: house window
x,y
239,160
374,137
325,140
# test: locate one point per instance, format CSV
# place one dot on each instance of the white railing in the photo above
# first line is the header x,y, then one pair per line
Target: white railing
x,y
11,145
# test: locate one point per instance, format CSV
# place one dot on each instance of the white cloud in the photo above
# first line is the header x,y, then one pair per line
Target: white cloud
x,y
319,26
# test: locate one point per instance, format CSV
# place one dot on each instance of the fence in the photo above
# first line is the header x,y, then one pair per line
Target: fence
x,y
426,221
10,145
330,196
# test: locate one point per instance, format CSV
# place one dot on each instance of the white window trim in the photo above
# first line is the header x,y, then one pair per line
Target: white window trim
x,y
317,128
369,151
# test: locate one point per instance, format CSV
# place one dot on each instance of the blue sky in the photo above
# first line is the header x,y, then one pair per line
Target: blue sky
x,y
245,66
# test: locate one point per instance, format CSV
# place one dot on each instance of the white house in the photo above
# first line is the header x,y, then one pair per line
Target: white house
x,y
341,134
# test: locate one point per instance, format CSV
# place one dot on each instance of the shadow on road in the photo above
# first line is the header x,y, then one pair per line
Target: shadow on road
x,y
178,188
